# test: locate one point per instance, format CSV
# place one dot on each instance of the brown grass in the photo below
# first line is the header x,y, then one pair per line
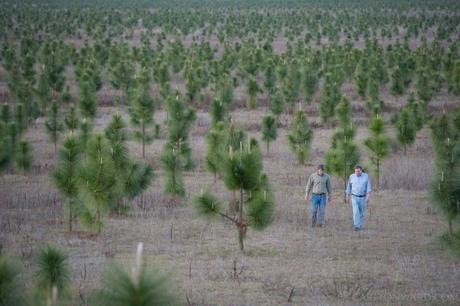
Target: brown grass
x,y
394,261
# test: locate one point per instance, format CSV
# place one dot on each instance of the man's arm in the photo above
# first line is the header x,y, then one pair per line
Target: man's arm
x,y
308,188
368,189
348,190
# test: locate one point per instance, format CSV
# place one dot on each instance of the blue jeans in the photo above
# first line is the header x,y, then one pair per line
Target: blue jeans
x,y
359,206
318,203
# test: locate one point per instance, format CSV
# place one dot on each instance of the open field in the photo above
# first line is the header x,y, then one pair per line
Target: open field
x,y
137,58
395,260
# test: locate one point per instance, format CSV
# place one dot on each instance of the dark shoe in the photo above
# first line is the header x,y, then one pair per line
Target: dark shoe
x,y
320,225
313,224
357,229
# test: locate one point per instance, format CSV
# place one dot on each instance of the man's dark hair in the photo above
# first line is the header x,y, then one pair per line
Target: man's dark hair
x,y
359,167
320,166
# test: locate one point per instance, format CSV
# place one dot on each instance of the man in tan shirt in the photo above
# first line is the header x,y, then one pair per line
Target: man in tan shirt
x,y
319,185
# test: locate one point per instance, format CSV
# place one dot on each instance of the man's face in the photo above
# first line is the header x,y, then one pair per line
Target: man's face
x,y
358,171
320,172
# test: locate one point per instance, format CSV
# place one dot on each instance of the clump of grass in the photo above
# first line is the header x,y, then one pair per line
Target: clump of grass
x,y
452,244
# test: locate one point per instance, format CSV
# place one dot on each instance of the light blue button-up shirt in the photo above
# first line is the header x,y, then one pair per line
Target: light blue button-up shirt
x,y
359,185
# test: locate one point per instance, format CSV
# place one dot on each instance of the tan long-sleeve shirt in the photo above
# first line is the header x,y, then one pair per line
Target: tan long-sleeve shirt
x,y
318,184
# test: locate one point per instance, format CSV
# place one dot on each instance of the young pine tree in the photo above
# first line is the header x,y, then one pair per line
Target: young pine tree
x,y
142,108
71,120
406,128
445,188
85,133
6,149
87,101
219,111
343,154
66,175
362,78
378,144
180,120
132,177
269,130
301,137
252,89
54,125
277,104
53,275
310,83
329,99
138,286
23,156
171,164
242,171
11,288
97,182
217,139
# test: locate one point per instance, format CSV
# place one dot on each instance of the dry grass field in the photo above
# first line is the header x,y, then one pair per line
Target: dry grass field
x,y
395,260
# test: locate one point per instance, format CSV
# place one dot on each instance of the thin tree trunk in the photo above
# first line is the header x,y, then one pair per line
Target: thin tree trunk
x,y
240,227
451,230
143,139
378,174
70,218
98,220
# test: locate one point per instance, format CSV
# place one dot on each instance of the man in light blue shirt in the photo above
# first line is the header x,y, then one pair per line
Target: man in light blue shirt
x,y
359,189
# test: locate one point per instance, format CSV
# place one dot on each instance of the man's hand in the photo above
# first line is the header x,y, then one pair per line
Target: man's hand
x,y
367,200
346,199
306,198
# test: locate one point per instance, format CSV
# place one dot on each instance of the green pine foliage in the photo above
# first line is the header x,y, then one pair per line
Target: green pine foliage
x,y
87,101
54,125
329,99
242,172
66,176
361,77
343,154
97,182
71,120
236,136
378,145
269,130
53,275
171,164
252,89
23,156
180,121
277,104
6,113
445,188
131,177
310,83
85,133
141,110
454,80
217,140
6,147
139,286
20,119
122,73
219,112
11,289
300,137
406,128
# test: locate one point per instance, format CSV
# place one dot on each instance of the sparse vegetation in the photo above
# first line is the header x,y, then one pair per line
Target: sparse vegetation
x,y
209,77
